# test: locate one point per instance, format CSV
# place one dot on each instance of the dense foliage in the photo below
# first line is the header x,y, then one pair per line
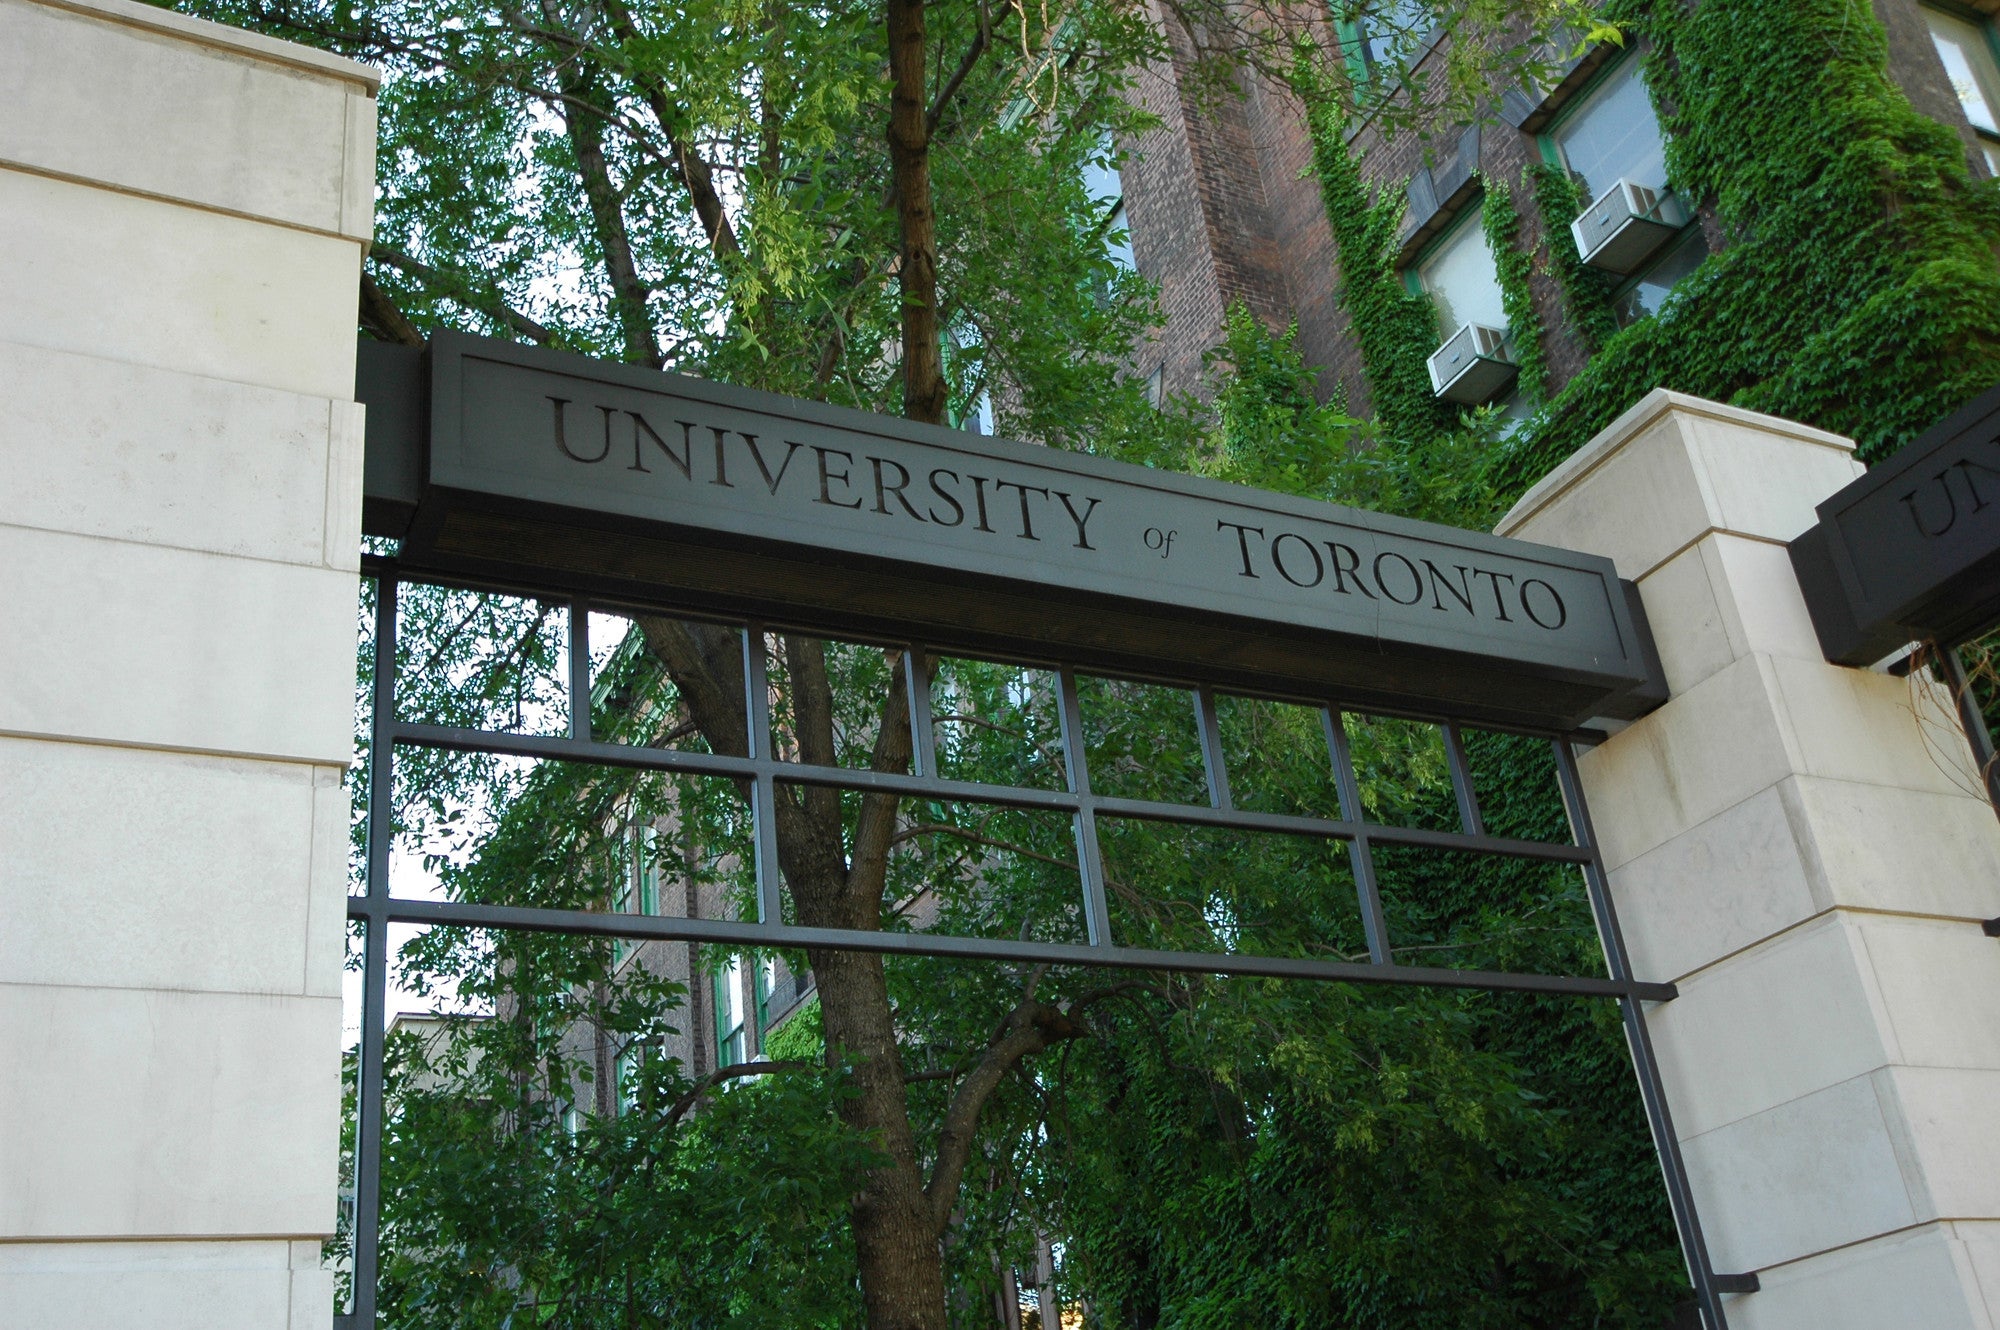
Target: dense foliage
x,y
1858,289
882,205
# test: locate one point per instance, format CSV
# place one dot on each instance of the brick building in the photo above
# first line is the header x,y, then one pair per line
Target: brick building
x,y
1222,205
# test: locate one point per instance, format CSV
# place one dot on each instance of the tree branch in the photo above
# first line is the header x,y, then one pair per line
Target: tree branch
x,y
695,173
685,1104
381,315
1029,1028
462,291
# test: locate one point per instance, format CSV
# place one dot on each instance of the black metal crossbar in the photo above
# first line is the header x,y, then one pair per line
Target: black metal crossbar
x,y
763,769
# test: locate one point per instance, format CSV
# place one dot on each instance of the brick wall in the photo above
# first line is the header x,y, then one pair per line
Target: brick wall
x,y
1222,208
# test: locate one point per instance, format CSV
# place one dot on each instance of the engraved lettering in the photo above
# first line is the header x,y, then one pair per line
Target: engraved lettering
x,y
979,494
1966,466
1562,611
826,476
1462,593
721,463
1416,579
1027,525
883,490
562,434
1278,559
682,460
1346,568
1494,580
757,454
1951,507
957,508
1082,540
1242,541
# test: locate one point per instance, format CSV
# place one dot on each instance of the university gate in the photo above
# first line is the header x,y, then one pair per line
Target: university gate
x,y
1801,849
619,491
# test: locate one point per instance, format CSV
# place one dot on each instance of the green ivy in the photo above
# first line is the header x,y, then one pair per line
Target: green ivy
x,y
1858,289
1586,291
1503,226
1396,329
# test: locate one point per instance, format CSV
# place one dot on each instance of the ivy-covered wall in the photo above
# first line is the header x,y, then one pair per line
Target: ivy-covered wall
x,y
1858,288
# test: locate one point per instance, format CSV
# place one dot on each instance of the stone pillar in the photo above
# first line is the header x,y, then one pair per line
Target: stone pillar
x,y
1803,849
183,209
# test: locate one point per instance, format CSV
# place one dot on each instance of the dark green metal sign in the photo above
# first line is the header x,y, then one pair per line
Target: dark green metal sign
x,y
1910,551
494,459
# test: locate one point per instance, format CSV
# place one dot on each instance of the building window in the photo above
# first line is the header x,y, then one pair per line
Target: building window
x,y
639,880
1156,386
1382,35
1613,135
1461,279
1644,294
1609,134
732,1035
1106,188
1966,48
630,1061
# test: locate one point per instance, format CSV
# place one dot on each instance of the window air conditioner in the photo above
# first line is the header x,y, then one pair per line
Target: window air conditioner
x,y
1472,367
1627,225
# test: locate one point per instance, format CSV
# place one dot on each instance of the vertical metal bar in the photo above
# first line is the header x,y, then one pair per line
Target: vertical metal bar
x,y
764,788
1212,761
1652,1090
375,962
1976,732
923,739
1461,782
1090,866
1374,923
579,670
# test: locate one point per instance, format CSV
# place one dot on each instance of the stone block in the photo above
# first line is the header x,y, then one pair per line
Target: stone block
x,y
1947,1131
1767,1026
249,1285
1805,1177
1981,1243
1674,468
154,283
1873,729
1938,983
1766,612
145,645
127,867
162,114
1920,852
1910,1279
149,1113
104,448
1686,614
1718,887
1709,749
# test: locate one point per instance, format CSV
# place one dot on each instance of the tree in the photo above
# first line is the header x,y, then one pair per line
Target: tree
x,y
878,205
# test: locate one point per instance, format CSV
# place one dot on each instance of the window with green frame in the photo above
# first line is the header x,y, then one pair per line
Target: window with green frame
x,y
639,879
1381,35
1970,52
732,1027
631,1059
1458,273
1611,133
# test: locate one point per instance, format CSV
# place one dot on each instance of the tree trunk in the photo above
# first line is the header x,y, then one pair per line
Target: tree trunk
x,y
916,216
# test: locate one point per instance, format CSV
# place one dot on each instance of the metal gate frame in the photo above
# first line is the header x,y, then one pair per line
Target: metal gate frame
x,y
762,769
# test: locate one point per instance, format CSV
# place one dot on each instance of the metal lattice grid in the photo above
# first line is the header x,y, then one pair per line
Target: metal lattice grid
x,y
762,769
